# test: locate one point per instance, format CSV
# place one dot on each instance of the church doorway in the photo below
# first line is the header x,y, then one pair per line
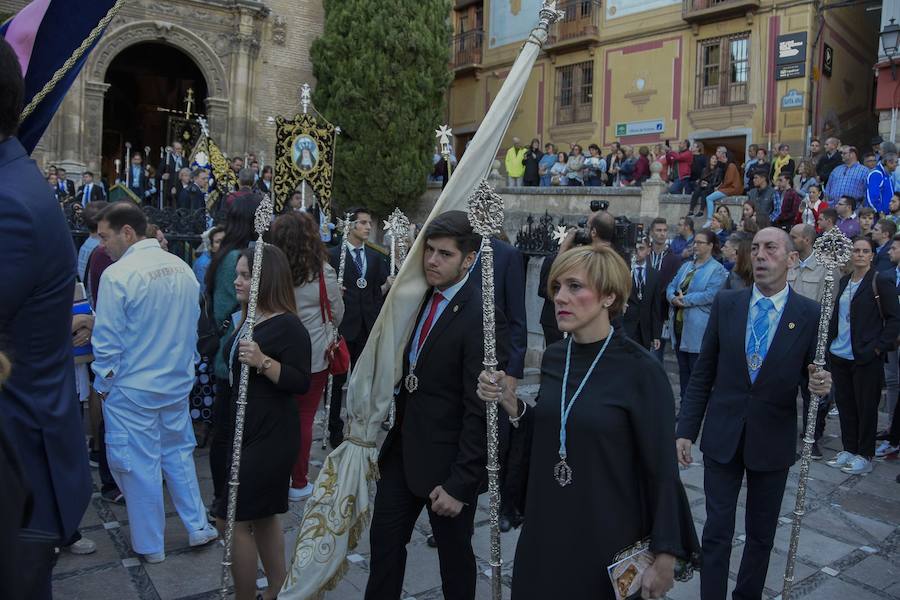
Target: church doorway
x,y
149,84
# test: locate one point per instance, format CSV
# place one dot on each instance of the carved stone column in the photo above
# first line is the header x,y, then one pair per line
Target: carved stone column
x,y
217,111
245,49
94,92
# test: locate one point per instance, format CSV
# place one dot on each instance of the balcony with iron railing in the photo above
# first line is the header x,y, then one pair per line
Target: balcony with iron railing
x,y
580,25
466,49
705,11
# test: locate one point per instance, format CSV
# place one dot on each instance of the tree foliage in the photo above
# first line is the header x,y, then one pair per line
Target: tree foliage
x,y
382,75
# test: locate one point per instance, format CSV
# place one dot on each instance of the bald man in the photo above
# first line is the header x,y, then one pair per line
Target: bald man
x,y
758,348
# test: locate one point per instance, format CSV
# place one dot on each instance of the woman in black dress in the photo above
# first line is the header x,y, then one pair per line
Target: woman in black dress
x,y
602,473
279,358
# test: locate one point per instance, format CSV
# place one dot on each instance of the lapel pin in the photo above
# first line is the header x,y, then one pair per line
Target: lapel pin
x,y
791,325
456,308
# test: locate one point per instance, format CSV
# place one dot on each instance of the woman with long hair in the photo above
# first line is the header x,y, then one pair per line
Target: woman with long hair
x,y
315,288
533,156
708,181
811,206
750,212
690,295
606,415
221,297
736,253
862,331
279,360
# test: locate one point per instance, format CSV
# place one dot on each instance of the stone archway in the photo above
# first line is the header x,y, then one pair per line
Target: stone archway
x,y
217,103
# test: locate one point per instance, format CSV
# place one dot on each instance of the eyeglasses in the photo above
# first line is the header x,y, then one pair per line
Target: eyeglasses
x,y
702,243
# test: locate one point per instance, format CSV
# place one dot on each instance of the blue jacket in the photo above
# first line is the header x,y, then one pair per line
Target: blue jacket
x,y
509,297
39,410
879,189
707,281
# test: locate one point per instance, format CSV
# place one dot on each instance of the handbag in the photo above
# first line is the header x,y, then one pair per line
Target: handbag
x,y
337,354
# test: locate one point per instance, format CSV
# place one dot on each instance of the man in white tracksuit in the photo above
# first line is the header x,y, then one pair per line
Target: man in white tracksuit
x,y
144,340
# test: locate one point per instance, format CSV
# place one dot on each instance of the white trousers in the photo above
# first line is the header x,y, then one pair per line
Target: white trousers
x,y
143,445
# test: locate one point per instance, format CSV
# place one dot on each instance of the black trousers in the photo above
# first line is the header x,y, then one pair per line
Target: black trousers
x,y
821,413
335,423
857,392
894,430
35,559
722,484
396,511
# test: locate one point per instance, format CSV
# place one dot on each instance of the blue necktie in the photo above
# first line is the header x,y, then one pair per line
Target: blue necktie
x,y
759,340
358,261
87,195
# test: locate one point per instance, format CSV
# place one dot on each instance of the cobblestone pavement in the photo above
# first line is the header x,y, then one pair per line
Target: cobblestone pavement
x,y
848,548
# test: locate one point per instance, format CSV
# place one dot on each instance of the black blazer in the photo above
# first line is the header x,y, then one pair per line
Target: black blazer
x,y
882,260
361,306
509,295
96,194
762,414
643,319
441,426
548,311
869,328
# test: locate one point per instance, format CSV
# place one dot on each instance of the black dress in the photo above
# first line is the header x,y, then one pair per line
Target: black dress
x,y
271,423
625,484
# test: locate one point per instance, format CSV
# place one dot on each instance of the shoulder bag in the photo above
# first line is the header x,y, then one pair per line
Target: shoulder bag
x,y
336,353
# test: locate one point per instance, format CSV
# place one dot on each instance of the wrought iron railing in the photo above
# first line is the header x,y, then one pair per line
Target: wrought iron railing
x,y
466,48
582,17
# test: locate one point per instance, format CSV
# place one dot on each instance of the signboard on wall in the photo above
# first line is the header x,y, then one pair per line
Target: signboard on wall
x,y
793,99
827,61
791,48
511,21
790,71
623,8
640,128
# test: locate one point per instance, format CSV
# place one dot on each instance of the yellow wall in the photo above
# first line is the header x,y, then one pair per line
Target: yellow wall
x,y
661,49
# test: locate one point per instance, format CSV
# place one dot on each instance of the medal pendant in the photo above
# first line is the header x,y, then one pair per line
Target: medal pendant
x,y
640,296
411,382
361,283
562,472
755,361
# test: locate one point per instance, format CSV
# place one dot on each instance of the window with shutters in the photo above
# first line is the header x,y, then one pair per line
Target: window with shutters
x,y
575,93
723,71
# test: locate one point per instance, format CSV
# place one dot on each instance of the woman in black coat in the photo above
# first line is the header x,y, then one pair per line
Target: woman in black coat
x,y
863,329
534,155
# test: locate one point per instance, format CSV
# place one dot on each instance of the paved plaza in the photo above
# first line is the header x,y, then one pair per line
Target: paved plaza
x,y
848,549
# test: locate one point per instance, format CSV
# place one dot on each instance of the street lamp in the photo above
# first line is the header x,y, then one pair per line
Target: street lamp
x,y
890,40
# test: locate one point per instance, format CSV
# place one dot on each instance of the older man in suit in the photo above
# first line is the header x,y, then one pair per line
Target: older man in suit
x,y
367,279
434,457
40,413
758,347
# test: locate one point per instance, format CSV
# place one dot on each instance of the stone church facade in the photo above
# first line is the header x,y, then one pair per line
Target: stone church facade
x,y
253,54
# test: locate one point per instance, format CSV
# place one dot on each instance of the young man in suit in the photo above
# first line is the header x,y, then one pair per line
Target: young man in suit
x,y
89,191
643,319
366,282
41,417
434,456
759,346
882,234
66,185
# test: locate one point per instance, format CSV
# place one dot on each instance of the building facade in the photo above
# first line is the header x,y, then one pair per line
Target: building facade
x,y
730,72
242,60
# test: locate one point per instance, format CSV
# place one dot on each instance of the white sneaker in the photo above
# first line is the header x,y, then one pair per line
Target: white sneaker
x,y
842,459
858,466
203,536
296,495
885,449
82,546
156,557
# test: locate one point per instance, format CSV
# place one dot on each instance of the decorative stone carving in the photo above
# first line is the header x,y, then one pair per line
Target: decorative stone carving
x,y
279,30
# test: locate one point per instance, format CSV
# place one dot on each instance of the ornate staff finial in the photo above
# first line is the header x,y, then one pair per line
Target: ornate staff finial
x,y
559,234
549,14
485,210
264,214
204,126
833,249
444,134
343,224
305,97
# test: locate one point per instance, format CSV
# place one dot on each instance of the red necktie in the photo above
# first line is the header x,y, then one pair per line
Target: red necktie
x,y
429,320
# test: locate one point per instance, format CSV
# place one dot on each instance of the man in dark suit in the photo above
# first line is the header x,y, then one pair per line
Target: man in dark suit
x,y
643,319
172,163
882,234
40,413
66,185
759,346
89,191
666,263
434,456
366,281
135,175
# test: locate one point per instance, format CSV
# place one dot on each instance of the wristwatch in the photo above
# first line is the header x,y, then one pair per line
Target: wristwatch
x,y
267,362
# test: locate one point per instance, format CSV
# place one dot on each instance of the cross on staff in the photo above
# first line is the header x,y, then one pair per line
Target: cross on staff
x,y
186,114
486,217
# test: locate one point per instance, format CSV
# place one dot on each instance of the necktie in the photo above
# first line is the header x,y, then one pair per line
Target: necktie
x,y
358,260
87,195
759,340
898,278
429,320
639,281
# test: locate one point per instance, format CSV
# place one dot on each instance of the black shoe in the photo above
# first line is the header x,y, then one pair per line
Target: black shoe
x,y
815,452
505,524
882,435
432,543
113,496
